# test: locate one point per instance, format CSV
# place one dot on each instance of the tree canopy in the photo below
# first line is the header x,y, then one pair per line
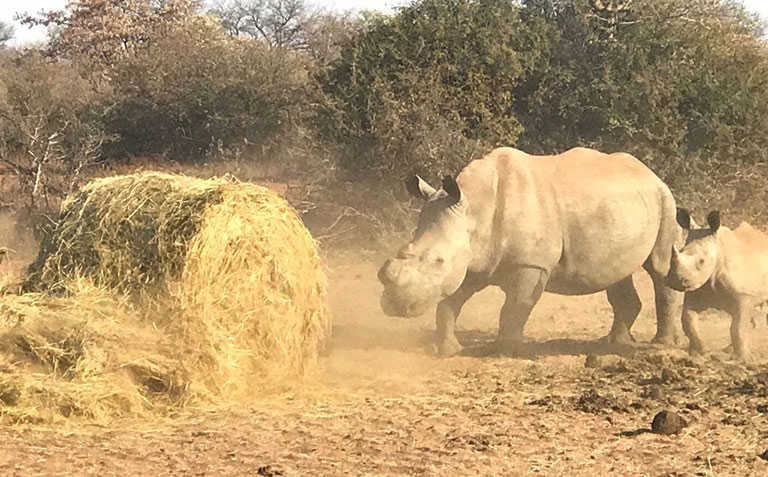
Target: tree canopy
x,y
682,84
665,79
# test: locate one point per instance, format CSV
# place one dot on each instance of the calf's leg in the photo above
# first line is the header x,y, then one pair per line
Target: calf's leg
x,y
691,329
741,313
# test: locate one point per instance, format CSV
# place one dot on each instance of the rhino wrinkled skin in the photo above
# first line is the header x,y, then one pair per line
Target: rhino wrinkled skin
x,y
575,223
722,269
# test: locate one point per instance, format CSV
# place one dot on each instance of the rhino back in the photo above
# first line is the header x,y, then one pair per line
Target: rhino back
x,y
744,265
588,218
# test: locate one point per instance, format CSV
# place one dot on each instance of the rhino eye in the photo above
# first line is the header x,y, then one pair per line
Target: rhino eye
x,y
440,260
700,263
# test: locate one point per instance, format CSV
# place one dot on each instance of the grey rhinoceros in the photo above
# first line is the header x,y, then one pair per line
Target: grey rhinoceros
x,y
722,269
574,223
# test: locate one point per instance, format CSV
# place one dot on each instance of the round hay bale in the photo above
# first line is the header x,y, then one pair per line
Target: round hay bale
x,y
229,267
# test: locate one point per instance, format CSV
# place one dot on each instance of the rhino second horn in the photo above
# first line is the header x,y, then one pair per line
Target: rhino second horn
x,y
713,219
419,188
451,187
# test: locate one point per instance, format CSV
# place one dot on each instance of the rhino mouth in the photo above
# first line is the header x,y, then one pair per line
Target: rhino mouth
x,y
679,284
393,305
675,284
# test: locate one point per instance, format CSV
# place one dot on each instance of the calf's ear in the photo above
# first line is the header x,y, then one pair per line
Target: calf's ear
x,y
419,188
713,219
684,218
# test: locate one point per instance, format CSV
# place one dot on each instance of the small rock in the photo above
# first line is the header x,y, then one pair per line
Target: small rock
x,y
269,471
667,422
668,376
762,378
593,361
655,392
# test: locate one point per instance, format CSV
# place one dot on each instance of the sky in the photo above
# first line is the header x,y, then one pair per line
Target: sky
x,y
23,35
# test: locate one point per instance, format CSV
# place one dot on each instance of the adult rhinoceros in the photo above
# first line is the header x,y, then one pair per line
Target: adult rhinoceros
x,y
573,224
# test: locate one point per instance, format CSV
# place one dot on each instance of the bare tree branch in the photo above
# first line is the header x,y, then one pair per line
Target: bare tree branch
x,y
280,23
6,33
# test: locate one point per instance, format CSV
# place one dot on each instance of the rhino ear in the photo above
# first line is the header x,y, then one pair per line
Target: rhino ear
x,y
684,218
419,188
451,187
713,219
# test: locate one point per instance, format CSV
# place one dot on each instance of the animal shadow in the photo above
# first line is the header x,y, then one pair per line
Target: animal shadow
x,y
634,433
480,345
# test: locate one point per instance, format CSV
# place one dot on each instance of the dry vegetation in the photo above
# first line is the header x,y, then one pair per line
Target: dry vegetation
x,y
155,292
383,405
174,325
379,403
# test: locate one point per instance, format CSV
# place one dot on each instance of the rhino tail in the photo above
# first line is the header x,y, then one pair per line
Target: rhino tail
x,y
669,235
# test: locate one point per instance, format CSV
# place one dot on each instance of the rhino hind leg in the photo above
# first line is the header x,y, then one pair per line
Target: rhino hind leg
x,y
523,289
669,306
626,306
740,315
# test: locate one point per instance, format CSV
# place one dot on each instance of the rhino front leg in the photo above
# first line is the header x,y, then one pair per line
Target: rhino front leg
x,y
447,312
669,305
626,306
691,328
523,290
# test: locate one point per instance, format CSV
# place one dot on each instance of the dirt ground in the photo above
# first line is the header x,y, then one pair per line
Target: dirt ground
x,y
382,404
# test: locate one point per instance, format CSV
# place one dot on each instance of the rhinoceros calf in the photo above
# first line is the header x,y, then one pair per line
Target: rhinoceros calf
x,y
574,223
722,269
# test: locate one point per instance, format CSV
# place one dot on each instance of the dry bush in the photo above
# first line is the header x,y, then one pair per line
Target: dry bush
x,y
195,90
738,192
47,139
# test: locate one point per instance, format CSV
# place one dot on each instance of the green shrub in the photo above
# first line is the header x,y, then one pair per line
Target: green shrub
x,y
426,88
680,83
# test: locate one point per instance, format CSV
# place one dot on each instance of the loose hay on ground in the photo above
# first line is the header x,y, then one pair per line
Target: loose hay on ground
x,y
216,294
86,355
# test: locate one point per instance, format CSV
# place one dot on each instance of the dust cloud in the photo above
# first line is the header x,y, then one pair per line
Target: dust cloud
x,y
374,354
370,352
378,355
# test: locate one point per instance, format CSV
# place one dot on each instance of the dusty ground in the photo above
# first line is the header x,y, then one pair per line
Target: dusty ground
x,y
383,405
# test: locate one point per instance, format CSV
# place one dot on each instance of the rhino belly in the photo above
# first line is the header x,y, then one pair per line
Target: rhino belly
x,y
595,260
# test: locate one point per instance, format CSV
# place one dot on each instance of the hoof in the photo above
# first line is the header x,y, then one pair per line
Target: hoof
x,y
448,348
743,357
625,338
668,340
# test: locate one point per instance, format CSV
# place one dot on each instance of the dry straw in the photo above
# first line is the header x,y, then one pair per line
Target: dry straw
x,y
155,291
